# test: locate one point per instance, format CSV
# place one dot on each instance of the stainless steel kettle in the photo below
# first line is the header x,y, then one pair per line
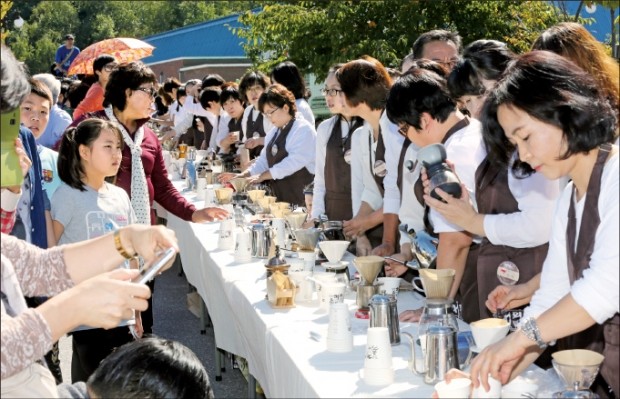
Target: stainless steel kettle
x,y
262,236
440,353
384,313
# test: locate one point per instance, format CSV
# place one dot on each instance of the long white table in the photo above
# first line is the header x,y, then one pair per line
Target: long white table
x,y
277,342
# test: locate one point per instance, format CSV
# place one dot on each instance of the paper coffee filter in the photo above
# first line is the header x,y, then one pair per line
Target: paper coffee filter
x,y
239,183
256,194
283,205
224,195
334,250
577,365
369,266
296,219
307,238
578,357
437,282
271,199
264,203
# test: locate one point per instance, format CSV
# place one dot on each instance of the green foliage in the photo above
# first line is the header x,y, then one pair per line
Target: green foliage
x,y
317,34
91,21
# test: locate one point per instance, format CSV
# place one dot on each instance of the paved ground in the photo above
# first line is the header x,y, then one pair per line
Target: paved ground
x,y
173,320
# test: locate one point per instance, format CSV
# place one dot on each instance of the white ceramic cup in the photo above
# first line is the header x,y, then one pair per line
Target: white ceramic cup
x,y
457,388
322,278
378,368
305,287
390,285
332,292
243,247
226,239
495,389
296,265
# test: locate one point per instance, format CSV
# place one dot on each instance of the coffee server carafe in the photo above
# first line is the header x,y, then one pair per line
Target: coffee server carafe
x,y
384,313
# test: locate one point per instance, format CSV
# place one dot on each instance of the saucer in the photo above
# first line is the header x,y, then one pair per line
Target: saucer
x,y
335,266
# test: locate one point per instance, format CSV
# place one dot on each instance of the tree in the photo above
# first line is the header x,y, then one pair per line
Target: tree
x,y
316,34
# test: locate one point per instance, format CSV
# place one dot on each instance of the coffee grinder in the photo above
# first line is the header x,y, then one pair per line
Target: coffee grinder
x,y
368,268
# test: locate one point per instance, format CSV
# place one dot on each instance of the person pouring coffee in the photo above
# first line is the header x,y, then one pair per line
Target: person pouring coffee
x,y
287,160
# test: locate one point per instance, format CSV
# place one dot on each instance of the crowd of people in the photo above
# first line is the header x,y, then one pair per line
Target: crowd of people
x,y
532,137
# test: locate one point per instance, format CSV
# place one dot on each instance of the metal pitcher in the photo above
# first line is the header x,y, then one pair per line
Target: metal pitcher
x,y
423,246
384,313
440,354
262,237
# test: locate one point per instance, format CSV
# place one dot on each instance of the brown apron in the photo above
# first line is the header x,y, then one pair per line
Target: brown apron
x,y
601,338
467,310
291,188
493,197
202,139
337,173
375,235
234,125
252,127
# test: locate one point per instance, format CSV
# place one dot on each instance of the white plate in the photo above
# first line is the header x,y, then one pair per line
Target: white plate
x,y
335,266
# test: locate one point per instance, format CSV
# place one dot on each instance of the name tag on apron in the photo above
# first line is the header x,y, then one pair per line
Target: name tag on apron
x,y
379,168
274,150
508,273
347,156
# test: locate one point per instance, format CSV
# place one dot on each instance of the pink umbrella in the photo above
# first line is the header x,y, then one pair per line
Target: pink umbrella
x,y
124,49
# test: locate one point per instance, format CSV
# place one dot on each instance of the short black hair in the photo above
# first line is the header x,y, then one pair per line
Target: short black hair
x,y
554,90
126,76
14,86
287,74
252,78
418,91
230,90
151,368
437,35
212,80
171,83
209,95
278,96
482,59
101,61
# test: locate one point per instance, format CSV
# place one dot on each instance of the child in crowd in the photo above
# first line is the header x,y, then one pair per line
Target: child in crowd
x,y
86,206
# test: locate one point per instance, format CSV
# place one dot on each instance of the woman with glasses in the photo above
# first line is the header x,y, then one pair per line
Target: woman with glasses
x,y
287,160
128,99
254,124
332,180
102,67
560,122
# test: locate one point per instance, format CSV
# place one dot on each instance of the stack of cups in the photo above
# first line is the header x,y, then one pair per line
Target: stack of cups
x,y
279,226
243,247
309,258
209,196
305,287
201,185
331,293
226,239
322,278
339,334
378,368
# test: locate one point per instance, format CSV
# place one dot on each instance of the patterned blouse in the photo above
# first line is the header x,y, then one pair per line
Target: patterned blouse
x,y
31,271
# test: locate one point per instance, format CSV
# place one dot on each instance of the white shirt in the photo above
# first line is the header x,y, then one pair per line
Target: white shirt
x,y
411,211
597,291
251,112
323,133
222,129
363,185
536,197
393,143
196,109
304,109
300,145
466,150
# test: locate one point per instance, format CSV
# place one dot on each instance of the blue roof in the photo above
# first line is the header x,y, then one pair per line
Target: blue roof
x,y
211,39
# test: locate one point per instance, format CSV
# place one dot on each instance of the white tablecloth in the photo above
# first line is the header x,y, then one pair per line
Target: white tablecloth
x,y
276,342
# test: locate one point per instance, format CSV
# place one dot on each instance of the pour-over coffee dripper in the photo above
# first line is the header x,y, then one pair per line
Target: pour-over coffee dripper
x,y
334,251
240,196
368,268
577,367
307,238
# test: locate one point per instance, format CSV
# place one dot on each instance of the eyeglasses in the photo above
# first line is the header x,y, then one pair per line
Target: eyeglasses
x,y
404,129
270,113
148,90
331,92
255,89
109,67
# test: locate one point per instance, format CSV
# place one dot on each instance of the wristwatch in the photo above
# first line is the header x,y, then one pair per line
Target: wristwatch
x,y
531,331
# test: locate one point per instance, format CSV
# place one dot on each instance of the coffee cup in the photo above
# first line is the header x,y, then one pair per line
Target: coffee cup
x,y
457,388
